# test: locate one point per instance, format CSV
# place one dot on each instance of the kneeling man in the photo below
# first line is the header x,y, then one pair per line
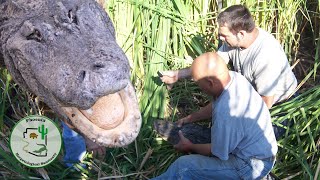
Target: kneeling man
x,y
243,144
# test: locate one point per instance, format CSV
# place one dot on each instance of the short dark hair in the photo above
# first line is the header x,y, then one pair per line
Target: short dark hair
x,y
237,17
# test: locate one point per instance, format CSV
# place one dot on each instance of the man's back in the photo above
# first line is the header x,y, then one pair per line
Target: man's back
x,y
242,123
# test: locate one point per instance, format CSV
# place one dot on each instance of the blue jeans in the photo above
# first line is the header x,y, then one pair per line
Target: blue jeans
x,y
74,146
203,167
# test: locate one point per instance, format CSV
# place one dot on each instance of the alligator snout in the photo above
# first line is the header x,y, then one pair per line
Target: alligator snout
x,y
65,52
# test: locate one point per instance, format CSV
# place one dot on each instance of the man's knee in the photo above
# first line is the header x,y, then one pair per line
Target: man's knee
x,y
180,162
185,161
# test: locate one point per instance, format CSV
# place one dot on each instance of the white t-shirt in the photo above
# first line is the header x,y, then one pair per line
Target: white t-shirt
x,y
265,66
241,123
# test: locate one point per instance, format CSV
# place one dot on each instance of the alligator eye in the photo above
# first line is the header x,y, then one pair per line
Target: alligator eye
x,y
35,35
72,17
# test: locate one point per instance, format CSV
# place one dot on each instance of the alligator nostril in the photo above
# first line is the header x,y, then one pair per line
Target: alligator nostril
x,y
82,75
98,66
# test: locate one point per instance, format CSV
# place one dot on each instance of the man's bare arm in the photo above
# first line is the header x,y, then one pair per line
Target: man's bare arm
x,y
203,113
268,100
170,77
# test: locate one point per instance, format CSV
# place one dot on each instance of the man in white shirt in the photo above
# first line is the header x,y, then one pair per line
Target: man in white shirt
x,y
265,66
254,53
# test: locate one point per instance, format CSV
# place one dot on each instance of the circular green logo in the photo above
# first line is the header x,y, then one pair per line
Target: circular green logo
x,y
35,141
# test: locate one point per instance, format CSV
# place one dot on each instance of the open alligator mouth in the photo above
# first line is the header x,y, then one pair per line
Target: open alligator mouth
x,y
113,121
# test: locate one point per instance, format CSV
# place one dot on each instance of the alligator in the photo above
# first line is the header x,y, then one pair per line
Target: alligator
x,y
65,52
196,133
43,148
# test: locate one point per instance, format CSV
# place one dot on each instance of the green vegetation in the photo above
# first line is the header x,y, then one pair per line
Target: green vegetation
x,y
159,35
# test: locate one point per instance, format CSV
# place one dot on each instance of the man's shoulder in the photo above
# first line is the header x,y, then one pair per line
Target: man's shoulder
x,y
267,39
242,88
265,33
238,78
238,88
266,49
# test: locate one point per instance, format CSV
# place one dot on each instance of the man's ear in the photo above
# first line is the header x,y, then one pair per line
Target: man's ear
x,y
241,34
211,81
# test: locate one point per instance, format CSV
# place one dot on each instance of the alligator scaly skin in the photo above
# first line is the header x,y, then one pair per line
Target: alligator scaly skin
x,y
197,134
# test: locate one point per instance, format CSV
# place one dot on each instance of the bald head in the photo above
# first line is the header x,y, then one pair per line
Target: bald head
x,y
210,73
209,65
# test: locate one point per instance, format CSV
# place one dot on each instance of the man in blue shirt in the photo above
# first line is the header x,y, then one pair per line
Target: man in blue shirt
x,y
243,144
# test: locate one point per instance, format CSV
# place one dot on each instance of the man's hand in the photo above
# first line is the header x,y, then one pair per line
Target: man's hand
x,y
168,77
182,121
184,145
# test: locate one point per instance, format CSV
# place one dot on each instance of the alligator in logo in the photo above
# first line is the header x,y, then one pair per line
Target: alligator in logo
x,y
43,148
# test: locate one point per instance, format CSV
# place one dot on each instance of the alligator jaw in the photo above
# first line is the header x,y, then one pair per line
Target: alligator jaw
x,y
102,125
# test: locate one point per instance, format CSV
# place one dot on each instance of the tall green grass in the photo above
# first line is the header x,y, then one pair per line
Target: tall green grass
x,y
299,149
189,28
161,33
158,35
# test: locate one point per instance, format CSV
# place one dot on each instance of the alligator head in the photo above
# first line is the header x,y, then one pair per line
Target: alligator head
x,y
65,52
